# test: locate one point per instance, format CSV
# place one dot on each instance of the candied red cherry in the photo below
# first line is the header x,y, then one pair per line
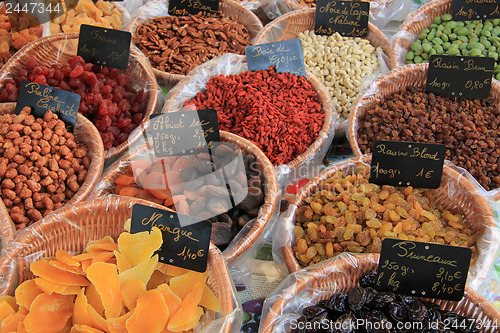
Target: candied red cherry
x,y
64,86
142,96
117,98
124,122
124,105
112,83
75,61
22,72
66,71
59,75
53,82
80,92
76,72
120,90
88,67
31,64
99,125
113,73
106,121
97,99
75,83
137,118
114,130
129,128
103,109
50,73
83,109
104,71
38,70
89,98
106,90
40,79
4,96
122,137
122,79
90,78
12,97
137,107
10,88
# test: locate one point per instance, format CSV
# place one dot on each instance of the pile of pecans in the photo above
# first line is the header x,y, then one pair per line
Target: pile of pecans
x,y
469,128
177,44
42,165
347,213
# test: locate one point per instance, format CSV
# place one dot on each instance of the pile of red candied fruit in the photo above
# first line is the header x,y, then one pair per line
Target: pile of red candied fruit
x,y
107,99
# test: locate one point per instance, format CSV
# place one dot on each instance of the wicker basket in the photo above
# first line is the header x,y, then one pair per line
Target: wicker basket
x,y
228,8
85,132
174,102
106,186
57,49
465,199
414,23
342,274
397,80
73,227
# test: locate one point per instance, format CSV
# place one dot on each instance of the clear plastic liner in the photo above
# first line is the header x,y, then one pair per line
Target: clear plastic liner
x,y
234,64
381,11
309,286
458,193
73,227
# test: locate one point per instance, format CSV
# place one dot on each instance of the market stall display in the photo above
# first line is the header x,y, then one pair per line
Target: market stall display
x,y
81,227
116,101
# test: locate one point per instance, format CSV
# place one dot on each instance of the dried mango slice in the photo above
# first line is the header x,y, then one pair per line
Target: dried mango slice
x,y
102,247
11,300
150,315
105,278
176,271
122,262
187,312
20,328
84,329
192,324
26,292
117,325
104,240
49,287
183,285
70,290
94,299
10,323
46,270
157,278
66,258
173,301
52,302
103,257
80,311
96,320
131,290
72,269
84,256
46,321
141,271
5,310
138,248
209,300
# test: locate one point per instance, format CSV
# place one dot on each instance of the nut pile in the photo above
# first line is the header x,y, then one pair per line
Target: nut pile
x,y
467,127
107,98
100,13
340,63
310,3
177,44
41,165
468,38
16,30
349,214
383,310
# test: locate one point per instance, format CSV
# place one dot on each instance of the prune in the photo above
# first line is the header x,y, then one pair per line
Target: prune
x,y
433,314
338,302
313,311
300,328
371,294
383,299
398,311
408,300
417,311
368,279
344,324
377,322
356,298
319,324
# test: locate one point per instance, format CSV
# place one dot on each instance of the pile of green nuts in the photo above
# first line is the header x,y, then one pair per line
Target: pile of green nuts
x,y
468,38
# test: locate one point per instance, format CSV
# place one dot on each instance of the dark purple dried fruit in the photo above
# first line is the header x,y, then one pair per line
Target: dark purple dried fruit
x,y
383,299
368,279
300,326
338,302
371,294
253,199
319,323
398,311
221,233
356,298
408,300
377,322
313,311
344,324
417,311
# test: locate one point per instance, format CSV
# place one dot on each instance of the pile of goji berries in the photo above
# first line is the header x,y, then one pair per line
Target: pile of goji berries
x,y
279,112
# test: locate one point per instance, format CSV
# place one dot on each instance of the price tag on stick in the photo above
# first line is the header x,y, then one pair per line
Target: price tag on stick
x,y
407,164
42,98
287,56
423,269
208,8
348,18
185,239
460,76
103,46
465,10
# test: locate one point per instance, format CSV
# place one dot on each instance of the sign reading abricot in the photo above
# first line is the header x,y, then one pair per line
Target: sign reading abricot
x,y
414,164
348,18
287,56
42,98
460,76
185,239
464,10
208,8
103,46
423,269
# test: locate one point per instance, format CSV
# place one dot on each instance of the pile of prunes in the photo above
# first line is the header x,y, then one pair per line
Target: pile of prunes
x,y
364,310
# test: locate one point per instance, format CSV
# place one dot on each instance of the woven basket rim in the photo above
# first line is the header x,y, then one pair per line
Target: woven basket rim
x,y
292,263
305,12
151,85
265,213
233,6
319,273
294,5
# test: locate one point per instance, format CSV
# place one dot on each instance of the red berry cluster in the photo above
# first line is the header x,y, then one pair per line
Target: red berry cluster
x,y
106,100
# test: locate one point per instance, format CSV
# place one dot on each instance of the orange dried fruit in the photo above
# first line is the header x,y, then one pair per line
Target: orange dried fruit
x,y
94,299
104,276
96,320
172,300
192,324
84,256
70,290
46,321
117,325
10,323
50,287
11,300
5,310
101,247
121,262
187,312
209,300
97,242
46,270
139,247
52,302
183,285
157,278
72,269
84,329
150,315
131,290
66,258
103,257
176,271
141,271
26,292
80,310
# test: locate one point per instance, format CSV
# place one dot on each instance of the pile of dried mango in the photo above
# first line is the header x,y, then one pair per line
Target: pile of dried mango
x,y
110,287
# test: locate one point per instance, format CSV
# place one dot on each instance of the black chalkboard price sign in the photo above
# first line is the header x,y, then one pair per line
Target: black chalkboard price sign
x,y
407,164
185,238
348,18
287,56
208,8
423,269
459,76
103,46
464,10
183,132
42,98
